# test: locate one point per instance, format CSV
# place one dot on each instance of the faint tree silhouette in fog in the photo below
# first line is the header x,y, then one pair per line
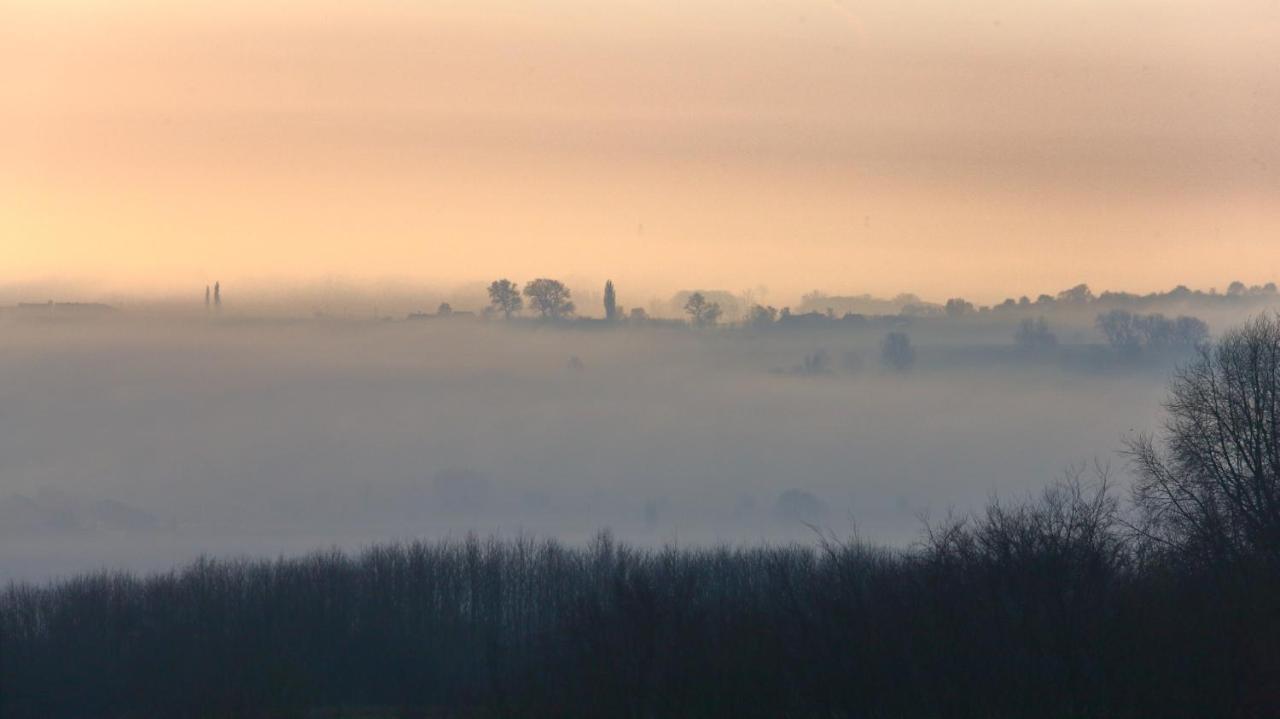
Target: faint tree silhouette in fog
x,y
1236,289
549,297
1120,330
217,294
815,363
896,351
701,312
1210,488
610,302
206,297
1129,332
796,506
1190,332
1035,335
958,307
638,315
762,317
445,309
504,297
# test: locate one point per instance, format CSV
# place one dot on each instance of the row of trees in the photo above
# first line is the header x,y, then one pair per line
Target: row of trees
x,y
1073,604
1129,332
551,299
1081,295
1124,330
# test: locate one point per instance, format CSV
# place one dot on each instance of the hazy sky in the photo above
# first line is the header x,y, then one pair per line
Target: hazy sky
x,y
981,148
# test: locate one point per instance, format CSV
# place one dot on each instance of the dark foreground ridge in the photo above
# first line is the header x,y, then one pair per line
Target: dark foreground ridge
x,y
1036,610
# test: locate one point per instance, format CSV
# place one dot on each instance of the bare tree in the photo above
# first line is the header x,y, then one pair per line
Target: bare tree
x,y
549,297
504,297
701,312
1209,488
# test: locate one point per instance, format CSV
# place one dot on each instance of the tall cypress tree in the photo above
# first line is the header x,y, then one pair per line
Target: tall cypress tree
x,y
610,302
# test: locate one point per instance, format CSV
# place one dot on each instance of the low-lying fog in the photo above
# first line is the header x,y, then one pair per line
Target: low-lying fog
x,y
140,442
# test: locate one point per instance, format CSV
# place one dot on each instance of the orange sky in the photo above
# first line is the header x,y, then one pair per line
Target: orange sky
x,y
983,148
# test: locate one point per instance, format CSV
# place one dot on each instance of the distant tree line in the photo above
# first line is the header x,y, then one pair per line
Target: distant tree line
x,y
1082,296
550,299
1072,604
1073,298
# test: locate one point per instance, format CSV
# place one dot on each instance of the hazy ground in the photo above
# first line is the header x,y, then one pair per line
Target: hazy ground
x,y
139,442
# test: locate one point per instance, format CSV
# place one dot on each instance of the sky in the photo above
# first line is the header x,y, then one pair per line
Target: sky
x,y
982,149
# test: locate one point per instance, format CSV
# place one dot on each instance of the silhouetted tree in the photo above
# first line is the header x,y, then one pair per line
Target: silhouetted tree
x,y
444,310
762,317
610,302
701,312
1078,295
504,297
217,294
1210,488
896,351
958,307
549,297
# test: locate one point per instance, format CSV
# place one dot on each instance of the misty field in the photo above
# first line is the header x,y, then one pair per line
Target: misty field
x,y
144,442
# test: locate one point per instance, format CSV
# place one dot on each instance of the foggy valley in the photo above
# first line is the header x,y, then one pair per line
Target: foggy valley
x,y
144,438
817,359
